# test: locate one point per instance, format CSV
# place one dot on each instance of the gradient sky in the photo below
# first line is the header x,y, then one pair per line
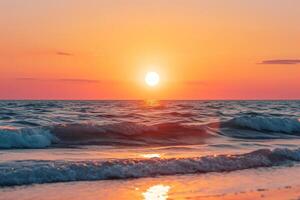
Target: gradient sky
x,y
101,49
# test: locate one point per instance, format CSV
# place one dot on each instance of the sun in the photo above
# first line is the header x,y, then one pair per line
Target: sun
x,y
152,79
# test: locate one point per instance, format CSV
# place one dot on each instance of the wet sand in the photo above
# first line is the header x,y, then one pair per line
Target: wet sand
x,y
288,193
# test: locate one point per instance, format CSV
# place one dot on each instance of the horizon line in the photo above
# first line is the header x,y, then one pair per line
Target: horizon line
x,y
150,99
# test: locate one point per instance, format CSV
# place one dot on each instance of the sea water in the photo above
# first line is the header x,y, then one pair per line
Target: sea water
x,y
144,142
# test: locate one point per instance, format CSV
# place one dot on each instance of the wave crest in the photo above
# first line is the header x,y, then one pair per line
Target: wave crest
x,y
29,172
271,124
129,133
25,138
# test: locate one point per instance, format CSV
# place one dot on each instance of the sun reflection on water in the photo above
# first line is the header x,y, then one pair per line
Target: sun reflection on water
x,y
157,192
151,155
152,103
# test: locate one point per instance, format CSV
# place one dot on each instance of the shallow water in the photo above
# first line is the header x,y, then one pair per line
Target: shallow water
x,y
67,141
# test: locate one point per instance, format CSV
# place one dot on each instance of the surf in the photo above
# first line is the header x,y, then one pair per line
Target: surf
x,y
130,133
42,171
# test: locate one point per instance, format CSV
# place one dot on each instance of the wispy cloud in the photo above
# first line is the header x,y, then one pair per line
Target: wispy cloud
x,y
26,79
79,80
281,62
66,80
62,53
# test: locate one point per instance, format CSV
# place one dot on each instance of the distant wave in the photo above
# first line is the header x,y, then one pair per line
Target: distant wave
x,y
128,133
270,124
261,127
181,114
30,171
125,133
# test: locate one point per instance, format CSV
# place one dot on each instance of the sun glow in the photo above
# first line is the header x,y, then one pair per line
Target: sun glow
x,y
152,79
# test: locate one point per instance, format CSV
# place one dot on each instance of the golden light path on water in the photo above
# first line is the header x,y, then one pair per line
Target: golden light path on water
x,y
151,155
157,192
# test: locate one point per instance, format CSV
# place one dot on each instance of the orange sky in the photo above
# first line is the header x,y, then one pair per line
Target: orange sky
x,y
91,49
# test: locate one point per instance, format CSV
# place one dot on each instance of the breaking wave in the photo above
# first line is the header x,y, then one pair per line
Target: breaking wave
x,y
128,133
270,124
261,127
125,133
30,171
25,138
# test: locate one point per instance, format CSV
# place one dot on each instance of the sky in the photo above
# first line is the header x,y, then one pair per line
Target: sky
x,y
102,49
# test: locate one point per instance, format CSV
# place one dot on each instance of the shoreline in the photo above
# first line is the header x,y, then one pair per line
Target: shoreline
x,y
287,192
273,183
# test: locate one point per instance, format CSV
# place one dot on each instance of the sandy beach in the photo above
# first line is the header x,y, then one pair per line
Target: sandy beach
x,y
290,193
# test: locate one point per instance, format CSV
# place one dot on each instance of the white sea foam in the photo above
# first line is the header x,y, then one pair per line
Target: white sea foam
x,y
25,138
29,172
272,124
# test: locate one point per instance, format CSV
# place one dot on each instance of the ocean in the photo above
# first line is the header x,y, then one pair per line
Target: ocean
x,y
147,149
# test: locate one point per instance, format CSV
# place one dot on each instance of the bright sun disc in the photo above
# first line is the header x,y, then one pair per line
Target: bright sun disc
x,y
152,78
